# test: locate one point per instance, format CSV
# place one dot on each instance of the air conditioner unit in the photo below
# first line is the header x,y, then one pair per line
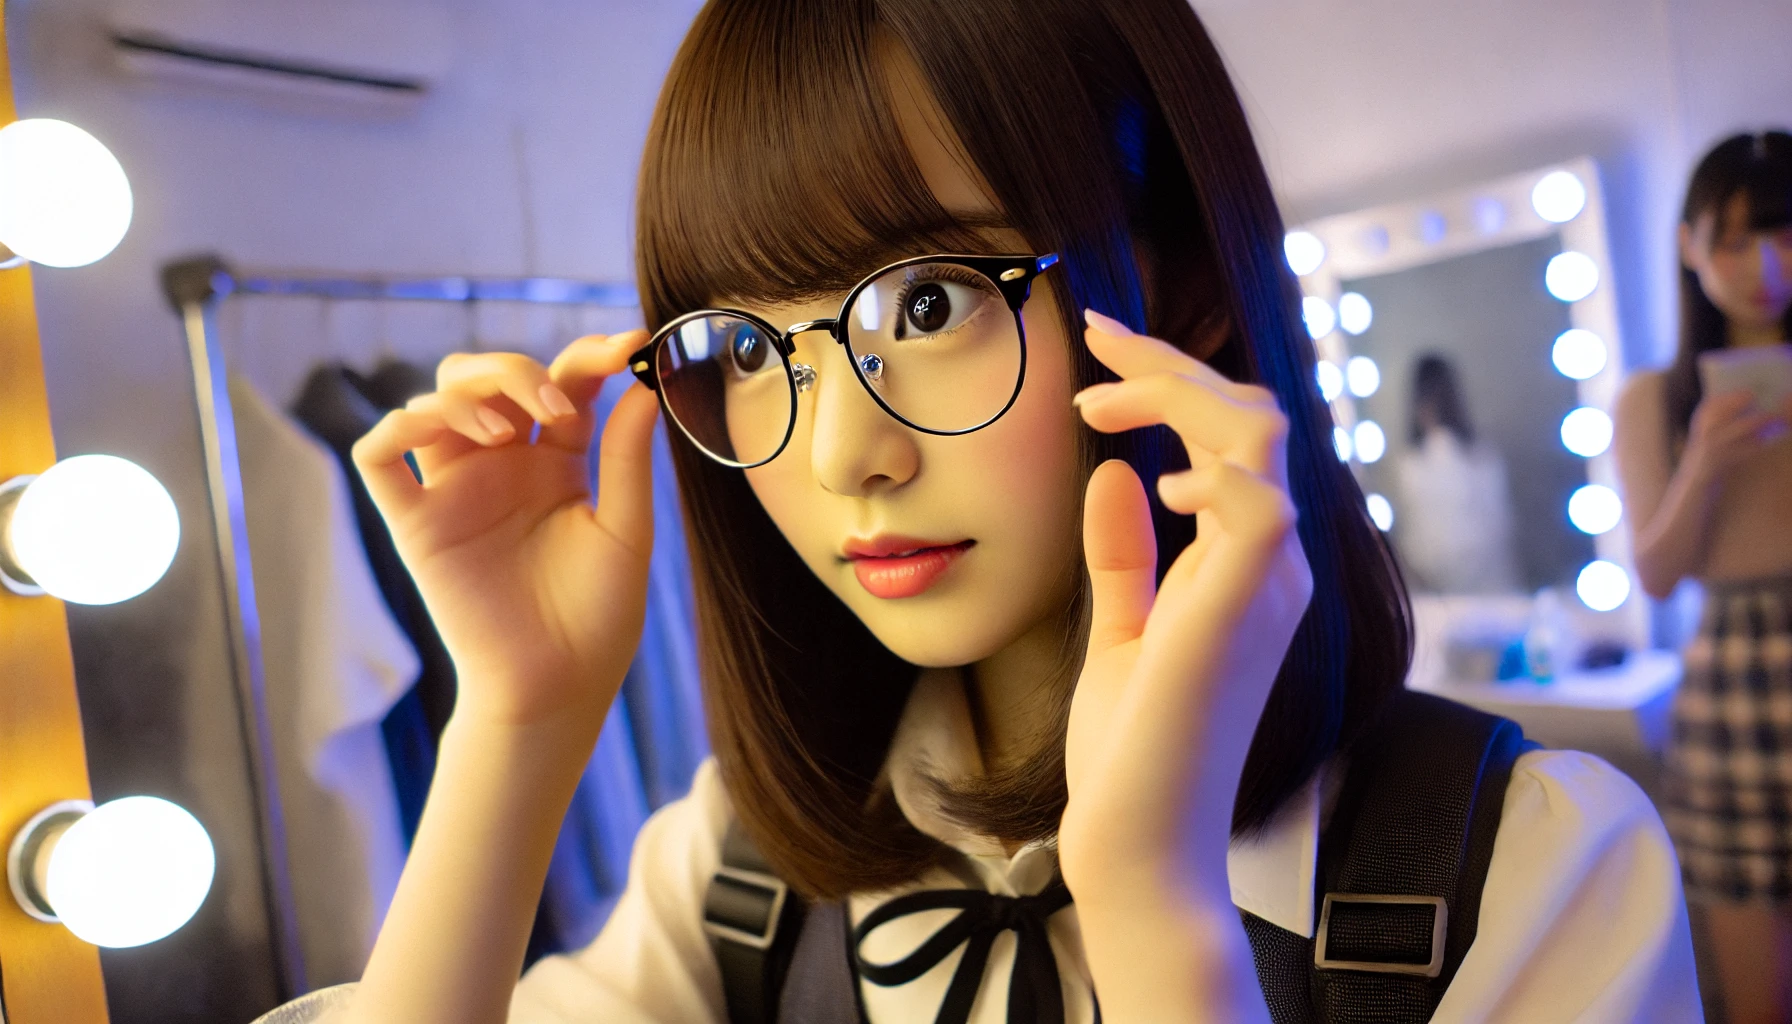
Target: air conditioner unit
x,y
381,52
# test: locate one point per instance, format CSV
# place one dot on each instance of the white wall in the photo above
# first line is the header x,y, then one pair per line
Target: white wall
x,y
1361,102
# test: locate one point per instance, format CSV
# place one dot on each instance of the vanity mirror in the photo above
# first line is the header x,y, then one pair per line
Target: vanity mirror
x,y
1469,346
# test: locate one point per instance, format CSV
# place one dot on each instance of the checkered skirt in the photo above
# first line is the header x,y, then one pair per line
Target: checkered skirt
x,y
1729,772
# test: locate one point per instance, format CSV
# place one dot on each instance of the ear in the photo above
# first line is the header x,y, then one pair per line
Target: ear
x,y
1689,254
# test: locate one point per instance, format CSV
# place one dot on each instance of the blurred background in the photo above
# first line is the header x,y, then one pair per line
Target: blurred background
x,y
499,139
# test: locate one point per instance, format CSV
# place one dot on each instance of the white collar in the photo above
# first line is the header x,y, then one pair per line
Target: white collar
x,y
1271,873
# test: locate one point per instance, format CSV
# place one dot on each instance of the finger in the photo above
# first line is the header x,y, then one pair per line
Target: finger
x,y
479,377
1121,549
625,471
450,446
579,371
479,420
380,456
1246,432
582,367
1245,505
1132,355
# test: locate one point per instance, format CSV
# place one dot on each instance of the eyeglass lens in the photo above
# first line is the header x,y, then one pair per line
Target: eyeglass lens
x,y
938,344
730,389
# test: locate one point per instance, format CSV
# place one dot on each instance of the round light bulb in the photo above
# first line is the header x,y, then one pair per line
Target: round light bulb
x,y
1341,442
1587,432
1559,197
1381,512
1318,314
1354,313
1602,585
130,872
1371,442
1571,276
94,529
1304,252
1363,376
1578,354
1331,379
64,199
1595,508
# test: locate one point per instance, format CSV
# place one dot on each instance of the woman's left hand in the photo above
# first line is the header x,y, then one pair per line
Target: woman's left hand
x,y
1175,679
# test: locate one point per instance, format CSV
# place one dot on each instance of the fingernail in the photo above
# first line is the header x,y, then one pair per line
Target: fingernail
x,y
1092,393
494,422
556,401
1106,324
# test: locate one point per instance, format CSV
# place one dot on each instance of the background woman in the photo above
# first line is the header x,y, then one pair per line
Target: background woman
x,y
1455,505
1708,483
954,646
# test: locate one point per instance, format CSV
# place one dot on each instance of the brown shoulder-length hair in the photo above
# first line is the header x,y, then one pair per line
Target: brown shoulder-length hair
x,y
1107,131
1760,168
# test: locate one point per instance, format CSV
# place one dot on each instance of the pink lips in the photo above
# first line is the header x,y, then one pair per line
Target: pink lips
x,y
894,567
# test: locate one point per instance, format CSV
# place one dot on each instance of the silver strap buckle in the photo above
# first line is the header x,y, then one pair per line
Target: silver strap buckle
x,y
1439,928
752,885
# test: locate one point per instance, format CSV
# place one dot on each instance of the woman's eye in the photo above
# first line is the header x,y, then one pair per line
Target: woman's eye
x,y
749,348
934,306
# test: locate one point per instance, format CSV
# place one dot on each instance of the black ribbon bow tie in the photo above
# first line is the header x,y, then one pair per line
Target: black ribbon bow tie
x,y
1033,992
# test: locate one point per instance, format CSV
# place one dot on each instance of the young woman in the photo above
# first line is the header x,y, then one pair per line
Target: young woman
x,y
995,596
1708,480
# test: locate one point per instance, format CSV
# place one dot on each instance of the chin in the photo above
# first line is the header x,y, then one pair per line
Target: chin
x,y
938,631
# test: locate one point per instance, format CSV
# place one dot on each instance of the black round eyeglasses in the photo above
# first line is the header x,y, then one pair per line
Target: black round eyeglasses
x,y
937,341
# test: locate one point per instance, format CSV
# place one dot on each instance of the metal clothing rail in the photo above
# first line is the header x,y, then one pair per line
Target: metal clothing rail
x,y
196,287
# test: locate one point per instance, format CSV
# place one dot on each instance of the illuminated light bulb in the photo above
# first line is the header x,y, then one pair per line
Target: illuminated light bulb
x,y
1381,512
1578,354
1341,441
1304,252
1331,379
1432,227
1371,442
1490,215
1587,432
1571,276
1559,197
94,529
1363,376
64,199
123,874
1354,313
1318,314
1602,585
1594,509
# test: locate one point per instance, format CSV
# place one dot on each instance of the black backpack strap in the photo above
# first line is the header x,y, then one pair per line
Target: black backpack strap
x,y
753,921
1401,868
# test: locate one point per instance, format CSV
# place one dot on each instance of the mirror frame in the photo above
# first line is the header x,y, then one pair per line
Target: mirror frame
x,y
1488,215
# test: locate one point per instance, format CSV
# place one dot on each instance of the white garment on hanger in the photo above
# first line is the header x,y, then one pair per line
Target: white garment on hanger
x,y
334,663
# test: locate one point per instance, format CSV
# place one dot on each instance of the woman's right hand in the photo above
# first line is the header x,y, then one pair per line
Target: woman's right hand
x,y
538,595
1725,430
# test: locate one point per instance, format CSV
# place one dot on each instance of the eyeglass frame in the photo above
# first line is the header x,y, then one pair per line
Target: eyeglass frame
x,y
1012,275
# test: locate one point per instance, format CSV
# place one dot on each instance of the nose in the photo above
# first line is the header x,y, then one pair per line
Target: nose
x,y
855,448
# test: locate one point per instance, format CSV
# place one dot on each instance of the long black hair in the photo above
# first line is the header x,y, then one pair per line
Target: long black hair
x,y
1760,168
1436,386
1107,131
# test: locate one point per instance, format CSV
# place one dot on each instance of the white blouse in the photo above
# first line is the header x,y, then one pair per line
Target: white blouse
x,y
1582,918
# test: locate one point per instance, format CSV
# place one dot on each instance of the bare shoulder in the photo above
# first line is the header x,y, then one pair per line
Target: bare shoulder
x,y
1643,396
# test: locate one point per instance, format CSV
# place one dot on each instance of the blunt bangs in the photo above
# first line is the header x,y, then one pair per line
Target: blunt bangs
x,y
778,171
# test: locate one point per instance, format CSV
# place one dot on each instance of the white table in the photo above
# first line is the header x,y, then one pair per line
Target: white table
x,y
1622,714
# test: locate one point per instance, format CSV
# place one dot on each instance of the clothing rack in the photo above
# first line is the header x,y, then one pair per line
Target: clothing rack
x,y
196,288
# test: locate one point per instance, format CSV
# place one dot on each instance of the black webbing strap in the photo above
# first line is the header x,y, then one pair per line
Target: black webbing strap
x,y
753,921
1401,868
